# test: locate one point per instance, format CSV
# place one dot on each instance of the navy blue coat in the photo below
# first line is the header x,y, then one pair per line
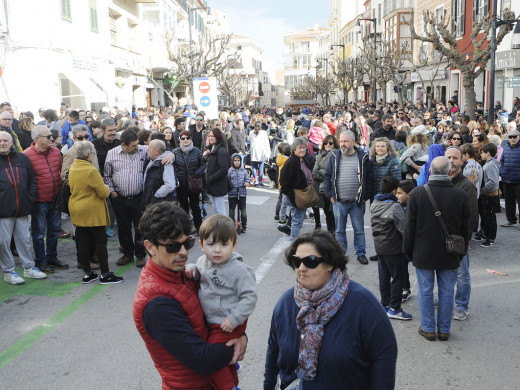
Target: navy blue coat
x,y
510,164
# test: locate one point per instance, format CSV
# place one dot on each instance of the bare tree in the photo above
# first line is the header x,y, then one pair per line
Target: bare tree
x,y
441,33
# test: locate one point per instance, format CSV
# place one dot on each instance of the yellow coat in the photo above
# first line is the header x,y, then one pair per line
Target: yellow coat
x,y
87,203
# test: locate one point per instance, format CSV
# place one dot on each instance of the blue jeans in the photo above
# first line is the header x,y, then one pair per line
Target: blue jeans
x,y
297,217
357,213
45,216
258,176
219,205
446,279
463,284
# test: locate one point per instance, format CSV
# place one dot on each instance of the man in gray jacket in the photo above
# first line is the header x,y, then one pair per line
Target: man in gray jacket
x,y
489,199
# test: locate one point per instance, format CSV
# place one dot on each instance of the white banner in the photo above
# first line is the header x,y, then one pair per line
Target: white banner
x,y
205,95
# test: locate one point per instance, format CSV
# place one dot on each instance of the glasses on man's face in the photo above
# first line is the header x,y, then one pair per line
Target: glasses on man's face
x,y
175,247
184,138
512,136
199,119
82,137
455,139
47,136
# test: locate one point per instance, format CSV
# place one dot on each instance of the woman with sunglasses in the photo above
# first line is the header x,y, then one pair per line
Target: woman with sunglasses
x,y
342,339
188,162
217,165
456,139
330,143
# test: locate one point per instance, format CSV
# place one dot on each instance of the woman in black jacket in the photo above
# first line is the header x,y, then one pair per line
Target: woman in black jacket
x,y
188,161
217,165
296,174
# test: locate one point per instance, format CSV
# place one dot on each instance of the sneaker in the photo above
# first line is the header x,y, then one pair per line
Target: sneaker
x,y
398,314
13,278
64,234
486,243
277,217
57,264
477,237
460,315
33,273
284,229
508,224
283,222
239,367
109,231
243,230
91,277
110,278
406,294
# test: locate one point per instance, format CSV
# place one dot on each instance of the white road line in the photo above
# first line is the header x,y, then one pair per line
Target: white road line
x,y
267,260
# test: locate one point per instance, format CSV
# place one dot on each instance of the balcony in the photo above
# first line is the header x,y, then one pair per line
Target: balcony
x,y
392,5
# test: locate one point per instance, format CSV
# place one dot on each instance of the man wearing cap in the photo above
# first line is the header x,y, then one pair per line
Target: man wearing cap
x,y
510,173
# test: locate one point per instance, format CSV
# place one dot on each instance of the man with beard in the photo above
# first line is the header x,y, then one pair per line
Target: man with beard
x,y
387,130
348,184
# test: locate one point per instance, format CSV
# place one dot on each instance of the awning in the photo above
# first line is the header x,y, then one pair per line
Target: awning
x,y
84,86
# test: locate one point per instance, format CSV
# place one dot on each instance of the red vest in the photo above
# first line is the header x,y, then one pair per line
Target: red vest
x,y
47,169
158,282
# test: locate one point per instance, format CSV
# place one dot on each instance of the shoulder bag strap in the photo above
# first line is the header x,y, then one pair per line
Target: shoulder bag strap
x,y
186,162
437,212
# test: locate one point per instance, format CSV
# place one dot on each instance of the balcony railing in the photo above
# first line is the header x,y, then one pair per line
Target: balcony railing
x,y
391,5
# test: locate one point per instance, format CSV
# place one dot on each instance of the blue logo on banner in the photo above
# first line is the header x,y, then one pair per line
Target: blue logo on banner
x,y
205,101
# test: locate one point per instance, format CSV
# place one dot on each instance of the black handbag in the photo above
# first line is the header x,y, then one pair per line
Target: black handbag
x,y
454,242
61,202
194,183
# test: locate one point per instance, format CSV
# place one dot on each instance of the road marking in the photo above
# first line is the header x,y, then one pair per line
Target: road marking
x,y
267,260
36,334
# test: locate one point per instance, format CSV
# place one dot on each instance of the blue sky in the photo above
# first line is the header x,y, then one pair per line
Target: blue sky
x,y
266,22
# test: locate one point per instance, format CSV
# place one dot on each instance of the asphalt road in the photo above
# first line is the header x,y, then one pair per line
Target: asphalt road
x,y
58,334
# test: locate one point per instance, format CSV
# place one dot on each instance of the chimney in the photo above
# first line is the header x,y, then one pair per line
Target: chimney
x,y
316,26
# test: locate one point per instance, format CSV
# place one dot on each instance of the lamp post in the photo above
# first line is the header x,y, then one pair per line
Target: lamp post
x,y
344,62
358,31
515,44
190,19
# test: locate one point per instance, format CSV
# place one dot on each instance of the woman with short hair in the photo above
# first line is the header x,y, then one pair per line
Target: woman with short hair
x,y
89,213
217,164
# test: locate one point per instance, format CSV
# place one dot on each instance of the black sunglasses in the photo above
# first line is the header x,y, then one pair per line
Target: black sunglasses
x,y
46,136
175,247
329,143
184,138
456,139
512,136
310,261
82,137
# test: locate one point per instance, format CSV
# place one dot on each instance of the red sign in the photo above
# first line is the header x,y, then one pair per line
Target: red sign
x,y
204,87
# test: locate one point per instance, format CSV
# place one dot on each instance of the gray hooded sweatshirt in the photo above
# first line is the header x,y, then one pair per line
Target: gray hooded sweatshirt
x,y
491,176
227,290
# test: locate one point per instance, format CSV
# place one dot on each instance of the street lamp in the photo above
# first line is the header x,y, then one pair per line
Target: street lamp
x,y
358,31
190,19
515,44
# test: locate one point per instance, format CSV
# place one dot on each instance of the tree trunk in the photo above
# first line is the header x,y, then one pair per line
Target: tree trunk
x,y
400,99
471,98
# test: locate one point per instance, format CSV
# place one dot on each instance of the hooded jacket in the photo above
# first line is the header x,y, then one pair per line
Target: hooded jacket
x,y
364,174
491,177
239,177
17,185
387,225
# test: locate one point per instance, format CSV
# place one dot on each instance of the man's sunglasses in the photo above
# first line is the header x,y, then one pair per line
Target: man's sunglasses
x,y
455,139
199,119
310,261
82,137
46,136
175,247
512,136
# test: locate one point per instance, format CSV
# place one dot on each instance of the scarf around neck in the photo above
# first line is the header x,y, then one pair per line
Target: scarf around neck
x,y
316,310
187,149
381,159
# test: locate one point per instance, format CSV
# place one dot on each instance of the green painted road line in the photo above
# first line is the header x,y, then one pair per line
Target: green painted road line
x,y
36,334
44,288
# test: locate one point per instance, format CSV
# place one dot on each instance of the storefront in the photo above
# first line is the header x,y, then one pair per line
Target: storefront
x,y
507,77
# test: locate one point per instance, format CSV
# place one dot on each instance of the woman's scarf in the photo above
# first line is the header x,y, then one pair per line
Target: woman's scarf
x,y
186,149
316,310
381,159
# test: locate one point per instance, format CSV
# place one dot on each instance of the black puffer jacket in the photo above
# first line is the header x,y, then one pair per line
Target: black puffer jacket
x,y
17,185
292,177
194,162
217,168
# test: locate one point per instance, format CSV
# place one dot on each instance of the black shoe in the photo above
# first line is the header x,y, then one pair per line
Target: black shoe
x,y
58,264
110,278
140,262
317,226
90,277
45,268
243,230
478,237
362,259
284,229
276,217
374,258
121,249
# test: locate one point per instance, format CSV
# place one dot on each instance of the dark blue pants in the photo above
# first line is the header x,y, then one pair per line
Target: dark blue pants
x,y
45,217
391,278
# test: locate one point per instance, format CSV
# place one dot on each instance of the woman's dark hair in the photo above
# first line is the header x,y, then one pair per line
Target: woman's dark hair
x,y
185,132
164,221
50,115
400,136
326,245
457,133
143,136
219,137
327,139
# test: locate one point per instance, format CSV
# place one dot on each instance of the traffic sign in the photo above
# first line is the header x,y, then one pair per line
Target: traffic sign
x,y
205,101
204,87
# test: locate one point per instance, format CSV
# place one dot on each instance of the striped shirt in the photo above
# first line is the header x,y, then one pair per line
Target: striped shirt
x,y
124,172
347,181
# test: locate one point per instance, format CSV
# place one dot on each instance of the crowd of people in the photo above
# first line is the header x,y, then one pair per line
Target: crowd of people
x,y
428,173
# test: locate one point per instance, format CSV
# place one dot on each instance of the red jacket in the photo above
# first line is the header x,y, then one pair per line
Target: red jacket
x,y
156,282
47,169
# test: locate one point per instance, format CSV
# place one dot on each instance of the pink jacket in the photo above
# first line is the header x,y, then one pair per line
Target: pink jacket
x,y
316,135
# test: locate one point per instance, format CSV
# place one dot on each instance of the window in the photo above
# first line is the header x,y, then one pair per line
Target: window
x,y
305,47
93,16
458,8
113,16
506,4
480,9
65,10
